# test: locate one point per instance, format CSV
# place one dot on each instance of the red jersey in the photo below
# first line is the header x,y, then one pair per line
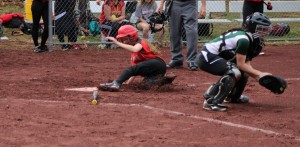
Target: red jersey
x,y
143,54
4,18
116,9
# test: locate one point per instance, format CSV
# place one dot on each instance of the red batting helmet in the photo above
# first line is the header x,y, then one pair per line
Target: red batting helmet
x,y
127,30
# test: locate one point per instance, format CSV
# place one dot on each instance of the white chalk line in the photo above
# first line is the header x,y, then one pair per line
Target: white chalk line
x,y
40,101
292,79
226,123
269,132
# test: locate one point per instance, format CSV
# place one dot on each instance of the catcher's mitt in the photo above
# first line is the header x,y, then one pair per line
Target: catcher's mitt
x,y
274,83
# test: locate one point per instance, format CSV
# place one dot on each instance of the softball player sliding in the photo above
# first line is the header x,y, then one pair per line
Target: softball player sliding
x,y
145,60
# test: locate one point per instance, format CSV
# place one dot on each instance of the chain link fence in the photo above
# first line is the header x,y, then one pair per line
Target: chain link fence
x,y
77,23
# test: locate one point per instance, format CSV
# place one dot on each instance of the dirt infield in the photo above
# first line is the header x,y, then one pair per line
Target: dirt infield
x,y
37,110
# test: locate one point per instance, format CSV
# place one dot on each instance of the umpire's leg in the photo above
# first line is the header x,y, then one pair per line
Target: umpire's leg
x,y
190,22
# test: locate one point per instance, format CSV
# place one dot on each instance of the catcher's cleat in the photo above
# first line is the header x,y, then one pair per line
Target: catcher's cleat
x,y
241,99
212,107
113,86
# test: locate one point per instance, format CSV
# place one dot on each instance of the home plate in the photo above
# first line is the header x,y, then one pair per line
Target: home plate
x,y
83,89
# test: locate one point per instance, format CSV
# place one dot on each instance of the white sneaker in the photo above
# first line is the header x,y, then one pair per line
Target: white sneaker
x,y
212,107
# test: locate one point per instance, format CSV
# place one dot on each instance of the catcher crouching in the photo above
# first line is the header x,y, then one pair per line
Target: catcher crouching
x,y
229,56
145,61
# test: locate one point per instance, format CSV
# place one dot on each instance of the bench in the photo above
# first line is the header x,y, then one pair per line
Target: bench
x,y
278,6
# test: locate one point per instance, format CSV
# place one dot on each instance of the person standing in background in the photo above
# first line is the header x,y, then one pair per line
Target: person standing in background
x,y
251,6
67,24
183,12
39,9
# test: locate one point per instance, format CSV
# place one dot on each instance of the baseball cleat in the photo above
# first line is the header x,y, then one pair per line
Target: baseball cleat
x,y
168,79
212,107
113,86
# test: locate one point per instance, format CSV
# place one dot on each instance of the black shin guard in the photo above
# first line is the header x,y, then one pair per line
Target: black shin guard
x,y
211,91
238,89
219,91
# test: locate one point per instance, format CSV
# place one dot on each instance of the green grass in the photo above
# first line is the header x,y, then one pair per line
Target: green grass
x,y
10,9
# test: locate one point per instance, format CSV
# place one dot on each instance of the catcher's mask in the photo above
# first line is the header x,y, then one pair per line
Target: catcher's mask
x,y
157,18
258,24
127,30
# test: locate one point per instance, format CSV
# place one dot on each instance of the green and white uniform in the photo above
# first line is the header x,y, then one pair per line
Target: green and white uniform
x,y
218,58
213,57
236,41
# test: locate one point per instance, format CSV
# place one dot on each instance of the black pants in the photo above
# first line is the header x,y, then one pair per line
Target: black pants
x,y
70,31
66,25
251,7
147,69
39,10
216,65
211,63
